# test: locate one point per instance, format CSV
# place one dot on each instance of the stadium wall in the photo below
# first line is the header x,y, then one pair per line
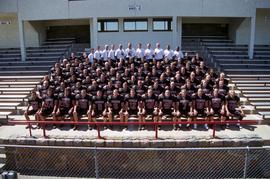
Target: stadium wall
x,y
236,13
35,32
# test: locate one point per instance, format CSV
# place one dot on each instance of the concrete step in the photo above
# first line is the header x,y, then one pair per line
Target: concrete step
x,y
245,71
241,61
248,75
217,40
251,81
228,48
254,88
249,66
257,95
27,72
15,89
252,85
22,78
251,99
222,45
256,92
260,103
27,63
263,108
230,56
16,92
229,52
13,96
24,68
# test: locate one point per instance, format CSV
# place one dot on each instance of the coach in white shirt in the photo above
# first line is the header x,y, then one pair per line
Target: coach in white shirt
x,y
91,56
105,53
112,53
97,54
178,54
149,53
120,53
139,52
168,53
158,53
130,52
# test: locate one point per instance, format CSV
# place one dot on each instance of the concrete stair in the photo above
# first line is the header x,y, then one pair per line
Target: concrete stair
x,y
18,78
251,77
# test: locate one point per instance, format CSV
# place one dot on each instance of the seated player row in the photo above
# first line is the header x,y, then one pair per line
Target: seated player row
x,y
158,107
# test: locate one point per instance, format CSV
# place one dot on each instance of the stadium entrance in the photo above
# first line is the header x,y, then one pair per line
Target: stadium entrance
x,y
205,29
214,26
78,29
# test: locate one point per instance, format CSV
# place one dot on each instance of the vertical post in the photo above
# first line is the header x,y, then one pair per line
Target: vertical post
x,y
214,130
246,163
175,38
93,32
252,37
30,129
180,32
22,38
96,164
98,131
156,131
44,130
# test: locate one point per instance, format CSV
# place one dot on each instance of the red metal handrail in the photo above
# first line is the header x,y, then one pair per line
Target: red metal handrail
x,y
155,124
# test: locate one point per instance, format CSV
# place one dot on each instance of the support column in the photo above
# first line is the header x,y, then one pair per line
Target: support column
x,y
22,38
180,32
175,38
93,32
252,37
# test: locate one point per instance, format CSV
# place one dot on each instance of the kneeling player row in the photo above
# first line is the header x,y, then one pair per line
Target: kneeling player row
x,y
165,105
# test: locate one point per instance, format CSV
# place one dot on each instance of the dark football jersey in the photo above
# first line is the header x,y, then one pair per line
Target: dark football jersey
x,y
65,101
83,103
49,101
35,103
132,102
149,101
116,102
232,102
184,103
99,103
217,102
199,102
167,102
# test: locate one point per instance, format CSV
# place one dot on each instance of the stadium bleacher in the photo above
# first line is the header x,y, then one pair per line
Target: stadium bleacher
x,y
18,78
251,77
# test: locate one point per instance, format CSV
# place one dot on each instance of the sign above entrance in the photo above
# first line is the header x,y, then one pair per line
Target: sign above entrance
x,y
134,7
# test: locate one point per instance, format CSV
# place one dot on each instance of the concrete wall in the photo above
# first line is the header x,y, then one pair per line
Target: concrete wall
x,y
240,28
60,11
263,26
9,36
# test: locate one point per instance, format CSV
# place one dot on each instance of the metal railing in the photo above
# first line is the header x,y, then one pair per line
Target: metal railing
x,y
155,124
238,162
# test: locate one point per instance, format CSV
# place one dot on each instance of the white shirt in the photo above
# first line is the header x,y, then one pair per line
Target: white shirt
x,y
139,53
97,55
130,53
148,53
159,53
91,58
111,54
168,54
105,55
178,54
120,53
